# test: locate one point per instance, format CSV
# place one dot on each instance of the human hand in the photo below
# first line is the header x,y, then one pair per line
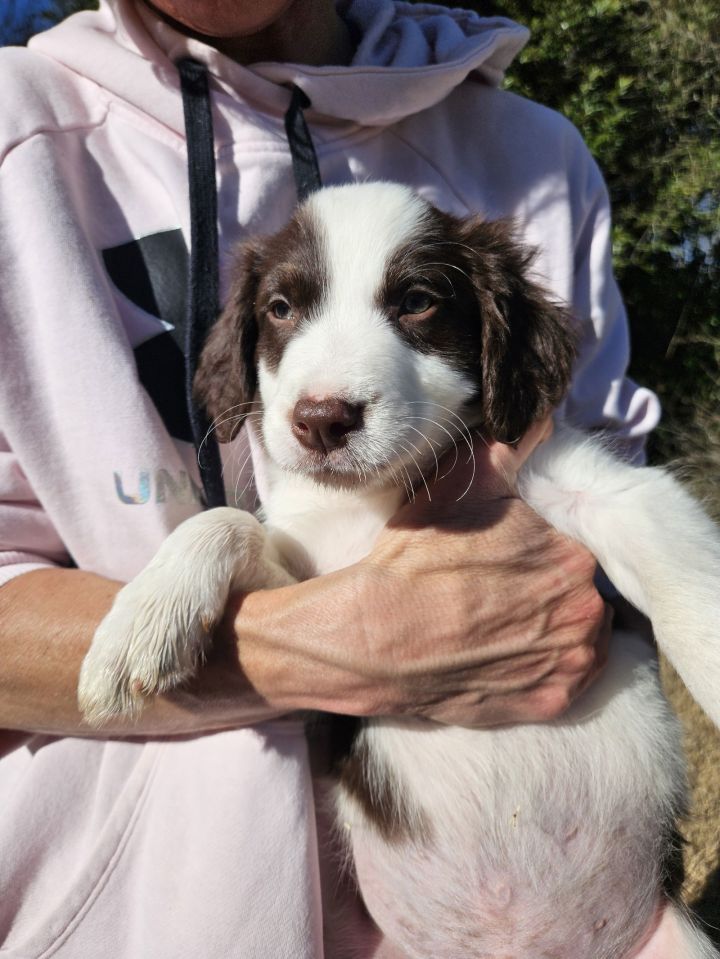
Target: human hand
x,y
474,610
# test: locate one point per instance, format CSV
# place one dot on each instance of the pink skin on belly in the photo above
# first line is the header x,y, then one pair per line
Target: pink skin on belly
x,y
667,941
666,937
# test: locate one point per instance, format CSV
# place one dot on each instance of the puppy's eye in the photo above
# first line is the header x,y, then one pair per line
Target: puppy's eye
x,y
280,309
416,302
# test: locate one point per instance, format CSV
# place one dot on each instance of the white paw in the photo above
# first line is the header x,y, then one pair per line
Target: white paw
x,y
151,640
160,624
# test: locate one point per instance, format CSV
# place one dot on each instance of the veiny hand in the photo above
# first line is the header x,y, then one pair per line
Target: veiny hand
x,y
474,610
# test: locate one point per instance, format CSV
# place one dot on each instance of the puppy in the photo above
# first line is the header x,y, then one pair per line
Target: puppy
x,y
370,333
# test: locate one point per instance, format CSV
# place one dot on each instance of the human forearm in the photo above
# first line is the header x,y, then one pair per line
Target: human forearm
x,y
475,613
47,621
47,618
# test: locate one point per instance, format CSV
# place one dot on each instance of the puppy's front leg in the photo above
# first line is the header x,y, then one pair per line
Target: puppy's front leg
x,y
160,623
654,541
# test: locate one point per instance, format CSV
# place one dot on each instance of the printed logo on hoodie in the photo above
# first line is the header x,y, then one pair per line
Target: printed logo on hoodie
x,y
152,272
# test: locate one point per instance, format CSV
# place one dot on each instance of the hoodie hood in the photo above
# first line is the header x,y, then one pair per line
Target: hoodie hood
x,y
408,58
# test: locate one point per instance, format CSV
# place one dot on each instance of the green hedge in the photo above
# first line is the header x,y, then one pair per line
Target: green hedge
x,y
641,80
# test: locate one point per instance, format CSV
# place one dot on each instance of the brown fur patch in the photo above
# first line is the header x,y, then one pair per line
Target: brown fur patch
x,y
285,266
491,320
292,269
226,381
378,798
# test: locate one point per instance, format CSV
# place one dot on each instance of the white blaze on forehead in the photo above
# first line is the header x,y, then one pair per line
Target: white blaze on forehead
x,y
361,227
348,347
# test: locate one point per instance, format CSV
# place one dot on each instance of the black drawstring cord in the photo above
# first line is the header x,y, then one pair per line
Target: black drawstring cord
x,y
302,150
203,299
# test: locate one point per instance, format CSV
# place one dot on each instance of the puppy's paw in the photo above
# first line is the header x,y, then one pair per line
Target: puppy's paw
x,y
161,623
151,640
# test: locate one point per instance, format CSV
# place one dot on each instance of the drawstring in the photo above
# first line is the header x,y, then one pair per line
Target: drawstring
x,y
203,299
302,151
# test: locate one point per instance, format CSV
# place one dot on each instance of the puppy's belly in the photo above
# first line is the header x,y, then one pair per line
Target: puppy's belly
x,y
525,842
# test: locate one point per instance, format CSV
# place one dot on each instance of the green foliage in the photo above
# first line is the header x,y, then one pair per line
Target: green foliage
x,y
641,81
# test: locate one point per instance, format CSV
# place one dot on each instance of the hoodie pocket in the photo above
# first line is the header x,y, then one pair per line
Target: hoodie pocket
x,y
65,827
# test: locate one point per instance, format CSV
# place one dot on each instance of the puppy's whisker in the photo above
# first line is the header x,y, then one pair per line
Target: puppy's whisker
x,y
472,478
464,429
248,482
450,266
409,489
218,422
239,477
467,436
430,444
450,437
503,472
203,441
220,418
463,246
395,478
407,485
414,276
417,467
359,467
482,438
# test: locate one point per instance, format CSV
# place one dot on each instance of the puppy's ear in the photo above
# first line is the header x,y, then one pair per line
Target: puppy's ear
x,y
226,377
528,341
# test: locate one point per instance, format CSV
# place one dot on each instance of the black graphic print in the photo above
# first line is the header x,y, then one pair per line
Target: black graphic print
x,y
152,272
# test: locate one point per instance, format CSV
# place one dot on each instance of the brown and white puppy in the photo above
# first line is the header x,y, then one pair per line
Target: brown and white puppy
x,y
362,340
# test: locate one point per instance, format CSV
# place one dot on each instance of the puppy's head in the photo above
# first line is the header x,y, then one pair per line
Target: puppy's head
x,y
374,329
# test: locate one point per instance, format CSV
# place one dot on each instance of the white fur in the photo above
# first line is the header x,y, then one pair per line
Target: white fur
x,y
652,539
505,808
492,810
160,624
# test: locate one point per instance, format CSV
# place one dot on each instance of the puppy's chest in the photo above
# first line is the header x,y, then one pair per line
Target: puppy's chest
x,y
319,534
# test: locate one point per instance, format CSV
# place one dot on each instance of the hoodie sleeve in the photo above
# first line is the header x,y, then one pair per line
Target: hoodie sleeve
x,y
37,258
602,396
36,433
28,539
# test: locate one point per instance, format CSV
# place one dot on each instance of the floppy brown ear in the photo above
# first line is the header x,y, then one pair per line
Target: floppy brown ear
x,y
226,376
528,340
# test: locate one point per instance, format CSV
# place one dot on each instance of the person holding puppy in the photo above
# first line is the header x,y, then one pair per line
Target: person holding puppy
x,y
196,831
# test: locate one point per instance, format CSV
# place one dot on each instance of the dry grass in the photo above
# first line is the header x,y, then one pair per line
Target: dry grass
x,y
701,829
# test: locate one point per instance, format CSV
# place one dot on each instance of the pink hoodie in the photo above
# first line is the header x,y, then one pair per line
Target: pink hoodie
x,y
208,847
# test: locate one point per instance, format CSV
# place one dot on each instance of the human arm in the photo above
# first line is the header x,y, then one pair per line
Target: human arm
x,y
474,612
47,620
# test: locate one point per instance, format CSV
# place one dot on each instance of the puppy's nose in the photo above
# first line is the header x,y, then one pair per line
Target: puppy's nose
x,y
324,424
